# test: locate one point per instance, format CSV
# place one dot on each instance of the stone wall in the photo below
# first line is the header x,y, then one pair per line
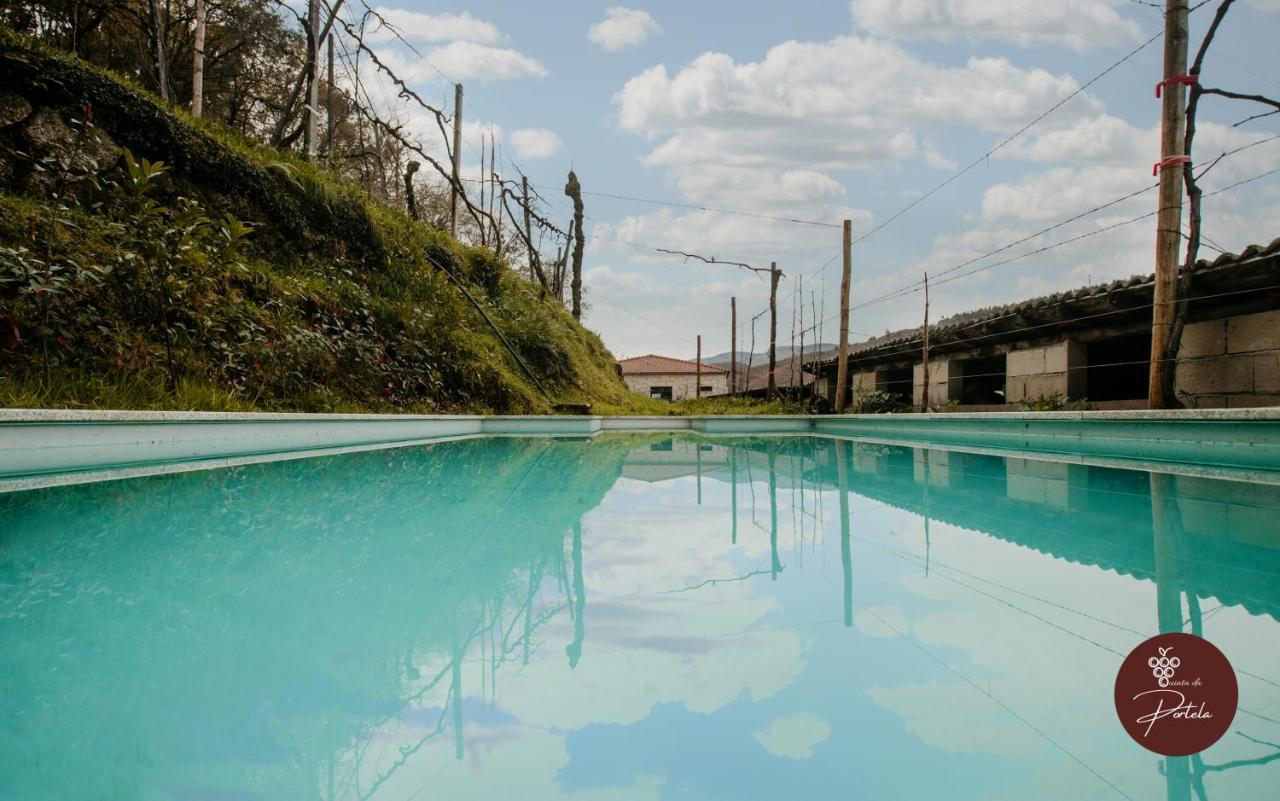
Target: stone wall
x,y
683,385
1234,362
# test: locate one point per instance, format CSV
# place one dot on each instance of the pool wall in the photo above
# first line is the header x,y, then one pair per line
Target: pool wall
x,y
77,443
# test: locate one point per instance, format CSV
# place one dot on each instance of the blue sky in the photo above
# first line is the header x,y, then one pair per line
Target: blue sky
x,y
826,110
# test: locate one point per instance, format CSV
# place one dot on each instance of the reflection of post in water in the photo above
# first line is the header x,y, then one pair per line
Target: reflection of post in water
x,y
776,566
455,692
698,458
574,649
733,489
927,481
1166,529
846,556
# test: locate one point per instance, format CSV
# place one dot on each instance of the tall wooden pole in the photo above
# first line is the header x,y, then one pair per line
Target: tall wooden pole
x,y
842,368
457,159
197,62
1169,213
528,226
733,346
697,393
924,395
774,275
310,126
800,387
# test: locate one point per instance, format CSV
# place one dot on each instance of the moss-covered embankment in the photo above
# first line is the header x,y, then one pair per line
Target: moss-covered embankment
x,y
149,260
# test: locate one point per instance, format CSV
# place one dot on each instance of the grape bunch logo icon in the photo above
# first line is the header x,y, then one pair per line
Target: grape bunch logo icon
x,y
1163,666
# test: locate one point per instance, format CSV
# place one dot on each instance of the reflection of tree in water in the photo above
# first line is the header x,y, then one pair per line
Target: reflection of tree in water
x,y
384,573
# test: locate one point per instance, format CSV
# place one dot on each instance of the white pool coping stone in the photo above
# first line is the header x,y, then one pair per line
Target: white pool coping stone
x,y
39,447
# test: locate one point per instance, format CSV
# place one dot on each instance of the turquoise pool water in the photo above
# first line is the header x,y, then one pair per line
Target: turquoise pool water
x,y
632,617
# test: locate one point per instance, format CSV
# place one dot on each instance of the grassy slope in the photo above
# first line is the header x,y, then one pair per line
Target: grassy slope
x,y
334,308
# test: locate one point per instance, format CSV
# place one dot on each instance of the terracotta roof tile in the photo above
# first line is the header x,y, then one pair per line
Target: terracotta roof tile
x,y
652,364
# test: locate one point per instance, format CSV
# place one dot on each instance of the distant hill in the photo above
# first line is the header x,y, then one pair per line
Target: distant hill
x,y
784,352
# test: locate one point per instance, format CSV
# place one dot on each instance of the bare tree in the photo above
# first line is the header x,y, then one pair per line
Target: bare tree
x,y
1195,193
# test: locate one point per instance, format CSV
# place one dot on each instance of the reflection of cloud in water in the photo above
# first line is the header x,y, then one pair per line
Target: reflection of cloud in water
x,y
794,736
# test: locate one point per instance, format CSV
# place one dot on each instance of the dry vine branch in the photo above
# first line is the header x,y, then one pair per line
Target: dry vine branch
x,y
714,260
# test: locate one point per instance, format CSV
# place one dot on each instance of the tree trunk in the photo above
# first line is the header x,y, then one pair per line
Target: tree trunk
x,y
310,117
197,62
574,190
162,60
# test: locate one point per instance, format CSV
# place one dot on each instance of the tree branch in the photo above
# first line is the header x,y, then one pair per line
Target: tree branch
x,y
714,260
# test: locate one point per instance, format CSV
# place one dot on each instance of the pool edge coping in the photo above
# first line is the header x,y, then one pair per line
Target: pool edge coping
x,y
75,446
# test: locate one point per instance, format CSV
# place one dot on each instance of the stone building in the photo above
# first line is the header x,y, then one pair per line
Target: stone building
x,y
665,378
1090,344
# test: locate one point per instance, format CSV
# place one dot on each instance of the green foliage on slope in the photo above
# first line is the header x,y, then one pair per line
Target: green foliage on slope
x,y
148,260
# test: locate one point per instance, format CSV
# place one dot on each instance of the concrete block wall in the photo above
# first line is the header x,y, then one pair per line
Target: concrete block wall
x,y
1230,363
939,383
1052,370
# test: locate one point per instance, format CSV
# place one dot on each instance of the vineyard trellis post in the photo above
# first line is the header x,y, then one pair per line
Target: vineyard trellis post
x,y
924,395
457,160
733,346
697,392
774,275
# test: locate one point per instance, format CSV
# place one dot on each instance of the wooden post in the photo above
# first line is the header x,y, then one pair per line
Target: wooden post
x,y
842,368
331,108
1169,211
197,62
800,387
924,395
310,127
774,275
697,392
457,160
528,227
493,201
733,346
792,348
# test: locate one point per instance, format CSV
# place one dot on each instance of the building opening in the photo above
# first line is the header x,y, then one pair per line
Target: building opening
x,y
1118,369
981,381
895,380
660,393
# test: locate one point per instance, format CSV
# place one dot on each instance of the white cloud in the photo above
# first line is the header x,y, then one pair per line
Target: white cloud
x,y
787,110
1080,25
622,28
415,26
535,143
461,60
794,736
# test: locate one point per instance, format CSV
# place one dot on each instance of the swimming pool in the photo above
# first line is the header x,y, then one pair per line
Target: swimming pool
x,y
634,616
